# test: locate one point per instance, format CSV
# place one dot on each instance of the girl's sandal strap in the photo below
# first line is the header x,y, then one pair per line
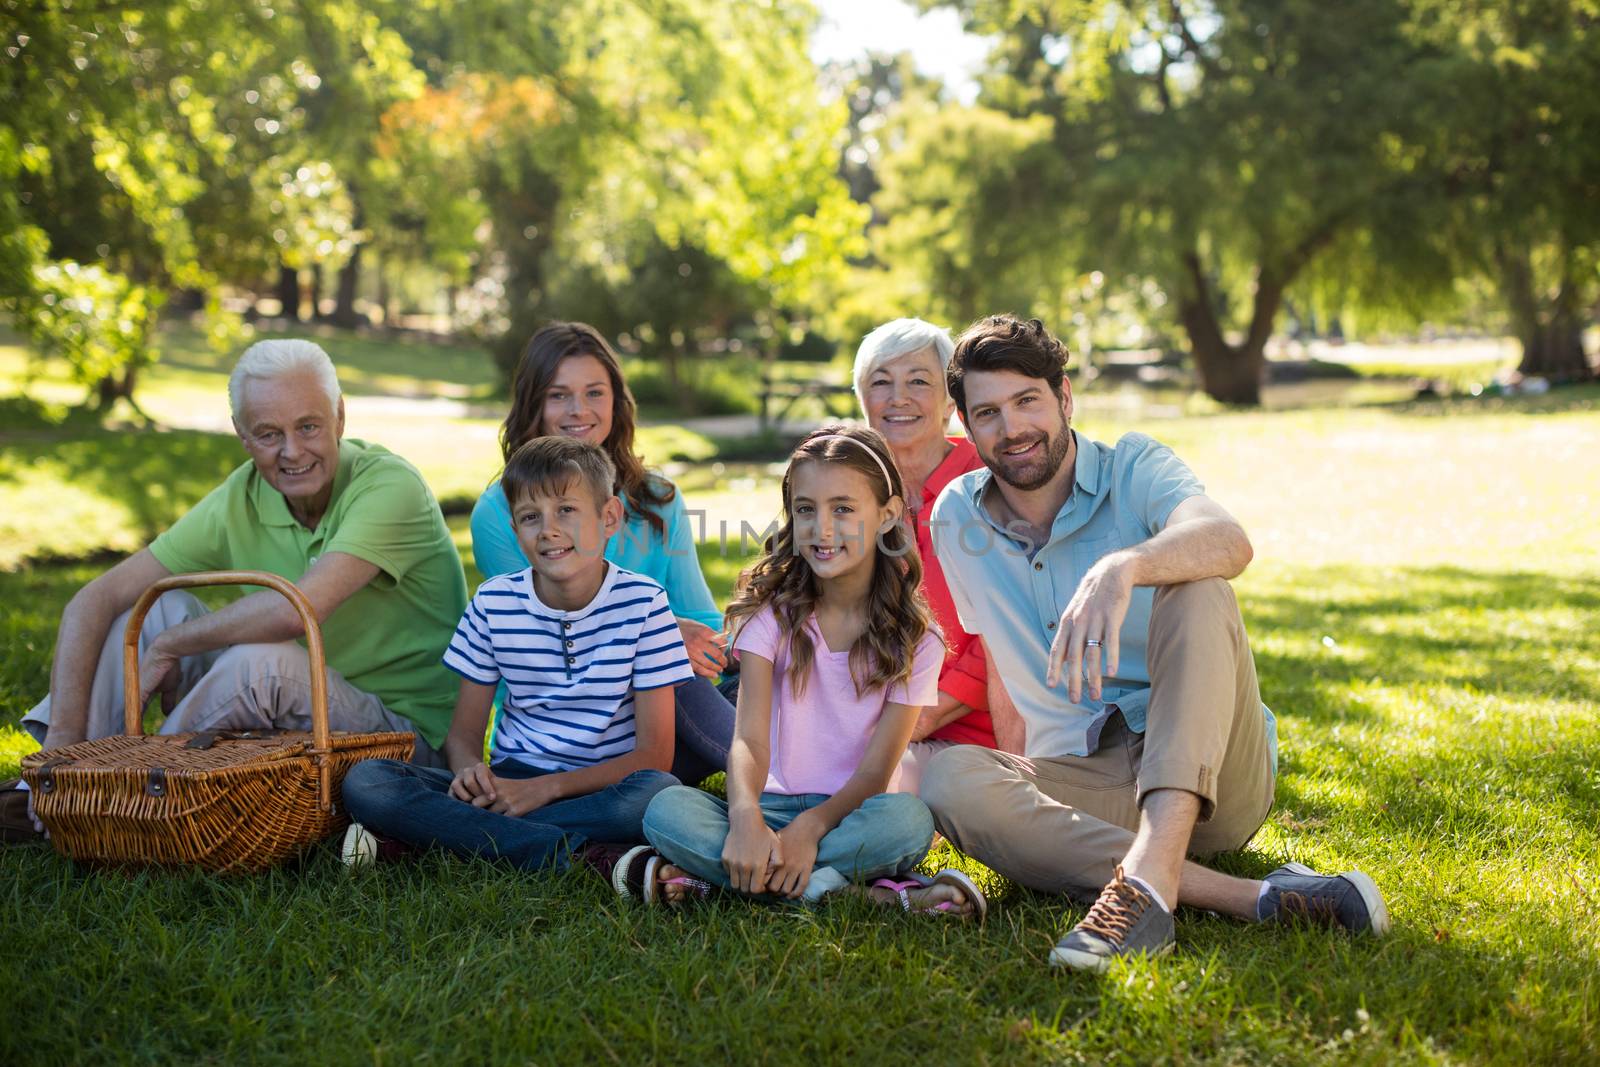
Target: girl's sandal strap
x,y
899,890
695,886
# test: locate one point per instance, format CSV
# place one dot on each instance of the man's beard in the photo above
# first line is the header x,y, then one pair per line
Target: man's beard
x,y
1032,474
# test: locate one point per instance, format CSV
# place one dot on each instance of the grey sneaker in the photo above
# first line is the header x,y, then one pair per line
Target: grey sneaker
x,y
1124,921
1297,893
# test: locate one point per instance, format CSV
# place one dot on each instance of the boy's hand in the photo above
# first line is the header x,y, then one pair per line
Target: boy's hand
x,y
475,785
795,858
749,854
518,796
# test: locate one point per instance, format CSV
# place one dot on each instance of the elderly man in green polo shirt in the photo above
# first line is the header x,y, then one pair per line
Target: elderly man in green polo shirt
x,y
1097,577
353,525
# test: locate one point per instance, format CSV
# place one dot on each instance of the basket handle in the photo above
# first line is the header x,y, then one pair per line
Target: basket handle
x,y
321,739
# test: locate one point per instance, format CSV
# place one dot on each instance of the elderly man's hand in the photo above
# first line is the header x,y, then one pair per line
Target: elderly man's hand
x,y
158,673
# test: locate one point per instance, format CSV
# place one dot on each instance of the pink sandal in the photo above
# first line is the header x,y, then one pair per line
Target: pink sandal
x,y
949,876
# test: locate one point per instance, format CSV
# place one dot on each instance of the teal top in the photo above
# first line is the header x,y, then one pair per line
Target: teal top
x,y
669,559
1121,496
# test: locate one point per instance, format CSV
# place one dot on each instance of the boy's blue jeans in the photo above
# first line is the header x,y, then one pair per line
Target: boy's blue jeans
x,y
889,833
413,804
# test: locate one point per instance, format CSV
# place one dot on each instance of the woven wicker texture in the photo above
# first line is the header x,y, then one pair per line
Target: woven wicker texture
x,y
226,803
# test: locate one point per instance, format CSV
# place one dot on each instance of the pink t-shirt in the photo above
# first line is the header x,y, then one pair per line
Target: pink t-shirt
x,y
818,739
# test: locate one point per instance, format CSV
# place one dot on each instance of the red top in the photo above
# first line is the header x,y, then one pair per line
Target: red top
x,y
964,675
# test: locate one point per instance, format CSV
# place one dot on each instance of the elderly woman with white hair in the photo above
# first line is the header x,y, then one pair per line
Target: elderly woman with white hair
x,y
900,383
352,524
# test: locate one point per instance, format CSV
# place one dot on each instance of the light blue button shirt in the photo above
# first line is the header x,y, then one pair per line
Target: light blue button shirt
x,y
1120,497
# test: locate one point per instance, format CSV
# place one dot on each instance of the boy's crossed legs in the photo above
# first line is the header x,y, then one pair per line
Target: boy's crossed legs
x,y
413,804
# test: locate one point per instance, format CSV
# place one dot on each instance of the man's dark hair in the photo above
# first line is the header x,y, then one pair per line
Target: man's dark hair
x,y
548,466
1005,342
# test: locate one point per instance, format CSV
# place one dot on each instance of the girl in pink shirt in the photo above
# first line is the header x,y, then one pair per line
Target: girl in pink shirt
x,y
837,659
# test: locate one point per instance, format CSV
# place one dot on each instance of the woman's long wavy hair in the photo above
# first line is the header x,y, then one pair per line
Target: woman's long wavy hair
x,y
541,356
897,614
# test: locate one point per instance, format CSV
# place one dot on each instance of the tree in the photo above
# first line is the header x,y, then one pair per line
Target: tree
x,y
169,146
1218,148
1529,154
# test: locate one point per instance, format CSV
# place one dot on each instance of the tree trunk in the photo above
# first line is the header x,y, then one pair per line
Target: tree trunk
x,y
289,292
316,292
1551,331
1555,351
385,312
1229,374
345,314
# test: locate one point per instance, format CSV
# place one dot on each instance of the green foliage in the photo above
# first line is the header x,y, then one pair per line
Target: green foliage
x,y
95,320
1236,154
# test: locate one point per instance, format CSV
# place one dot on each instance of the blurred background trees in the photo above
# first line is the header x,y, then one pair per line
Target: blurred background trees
x,y
1192,174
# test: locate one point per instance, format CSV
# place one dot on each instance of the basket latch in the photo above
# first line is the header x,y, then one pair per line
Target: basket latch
x,y
47,778
156,784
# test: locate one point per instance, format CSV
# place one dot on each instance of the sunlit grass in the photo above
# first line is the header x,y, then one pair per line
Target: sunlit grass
x,y
1425,612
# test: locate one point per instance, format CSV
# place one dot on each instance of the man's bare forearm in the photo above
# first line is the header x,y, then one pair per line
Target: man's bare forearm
x,y
1206,547
85,627
82,634
1010,732
260,618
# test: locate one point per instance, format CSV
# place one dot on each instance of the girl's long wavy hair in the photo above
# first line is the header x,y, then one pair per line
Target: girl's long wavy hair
x,y
541,356
897,614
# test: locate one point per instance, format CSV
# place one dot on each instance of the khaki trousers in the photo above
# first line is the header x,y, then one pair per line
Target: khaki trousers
x,y
1062,824
241,687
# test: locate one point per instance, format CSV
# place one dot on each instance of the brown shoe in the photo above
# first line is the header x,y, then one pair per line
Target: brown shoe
x,y
16,822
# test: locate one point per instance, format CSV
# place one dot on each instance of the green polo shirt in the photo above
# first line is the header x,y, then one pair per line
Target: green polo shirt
x,y
389,636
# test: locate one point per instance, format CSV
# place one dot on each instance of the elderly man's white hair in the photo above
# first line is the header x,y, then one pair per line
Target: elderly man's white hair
x,y
274,359
898,338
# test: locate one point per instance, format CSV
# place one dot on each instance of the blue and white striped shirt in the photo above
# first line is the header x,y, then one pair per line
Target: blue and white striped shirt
x,y
570,675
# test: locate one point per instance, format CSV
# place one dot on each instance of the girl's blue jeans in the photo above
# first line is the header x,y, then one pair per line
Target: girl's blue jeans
x,y
413,804
888,834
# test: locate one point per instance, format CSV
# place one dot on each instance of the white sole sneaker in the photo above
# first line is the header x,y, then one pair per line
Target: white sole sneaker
x,y
619,873
360,848
1377,910
1087,961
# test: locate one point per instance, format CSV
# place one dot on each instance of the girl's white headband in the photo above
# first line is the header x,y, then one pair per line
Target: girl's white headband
x,y
888,481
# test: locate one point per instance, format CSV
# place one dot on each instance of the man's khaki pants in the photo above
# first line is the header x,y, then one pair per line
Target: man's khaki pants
x,y
241,687
1063,823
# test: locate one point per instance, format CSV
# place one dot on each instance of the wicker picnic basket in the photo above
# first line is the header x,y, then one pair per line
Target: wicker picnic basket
x,y
234,801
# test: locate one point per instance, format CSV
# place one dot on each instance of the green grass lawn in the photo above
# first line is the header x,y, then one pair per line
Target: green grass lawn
x,y
1425,611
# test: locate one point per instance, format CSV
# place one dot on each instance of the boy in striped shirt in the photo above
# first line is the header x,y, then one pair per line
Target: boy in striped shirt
x,y
589,653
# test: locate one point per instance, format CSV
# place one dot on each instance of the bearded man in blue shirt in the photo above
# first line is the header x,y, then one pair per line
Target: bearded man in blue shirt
x,y
1098,578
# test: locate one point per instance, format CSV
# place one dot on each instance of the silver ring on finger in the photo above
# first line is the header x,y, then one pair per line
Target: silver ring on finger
x,y
1092,643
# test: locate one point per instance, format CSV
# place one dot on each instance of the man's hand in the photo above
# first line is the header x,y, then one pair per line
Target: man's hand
x,y
707,648
518,796
1096,613
795,858
158,673
750,853
475,785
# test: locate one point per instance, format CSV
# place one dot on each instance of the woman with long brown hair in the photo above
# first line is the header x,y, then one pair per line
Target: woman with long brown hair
x,y
569,382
